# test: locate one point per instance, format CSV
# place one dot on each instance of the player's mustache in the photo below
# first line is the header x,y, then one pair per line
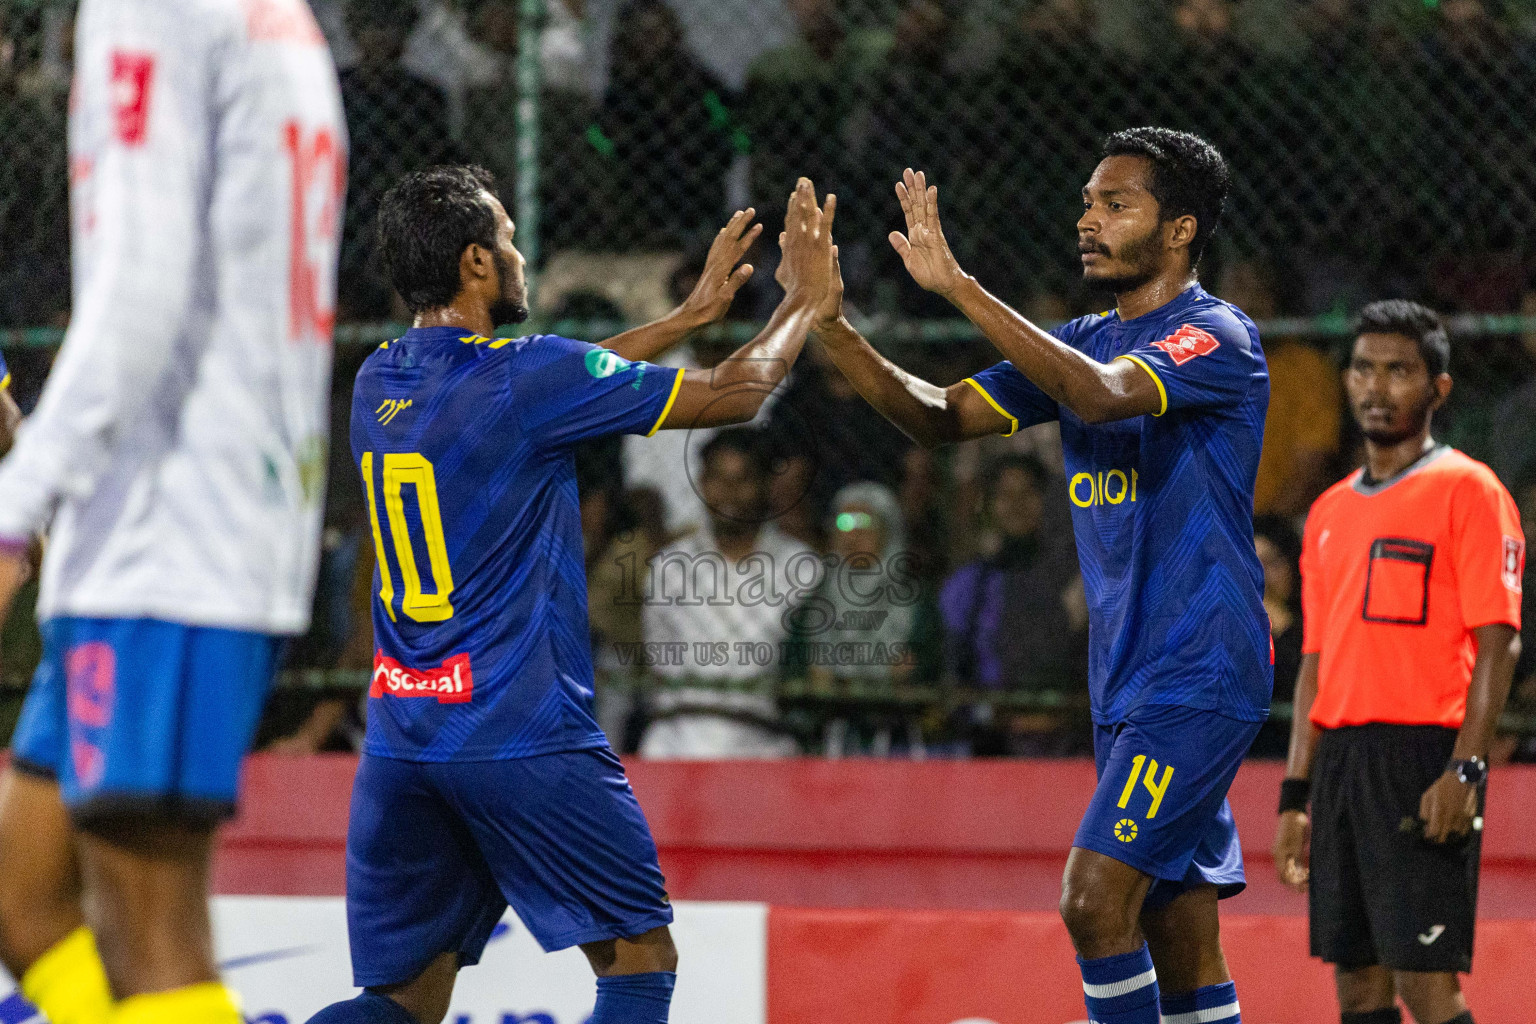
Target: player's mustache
x,y
1098,247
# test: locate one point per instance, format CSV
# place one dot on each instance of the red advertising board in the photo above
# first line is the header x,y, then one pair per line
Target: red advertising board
x,y
945,967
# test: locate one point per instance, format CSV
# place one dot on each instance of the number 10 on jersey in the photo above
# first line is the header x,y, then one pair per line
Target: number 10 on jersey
x,y
400,469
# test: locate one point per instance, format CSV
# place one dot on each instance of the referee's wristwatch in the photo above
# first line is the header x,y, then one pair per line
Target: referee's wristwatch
x,y
1471,771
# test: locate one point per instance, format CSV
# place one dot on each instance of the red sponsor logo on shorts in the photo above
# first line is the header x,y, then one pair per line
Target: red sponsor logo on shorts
x,y
1514,563
133,74
1186,343
90,763
90,680
452,682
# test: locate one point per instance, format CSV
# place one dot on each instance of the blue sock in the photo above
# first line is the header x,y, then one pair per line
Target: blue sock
x,y
1121,989
16,1010
1214,1004
634,998
368,1008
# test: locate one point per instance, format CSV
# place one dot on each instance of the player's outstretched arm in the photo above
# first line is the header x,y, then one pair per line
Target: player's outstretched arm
x,y
718,284
735,390
928,414
1096,392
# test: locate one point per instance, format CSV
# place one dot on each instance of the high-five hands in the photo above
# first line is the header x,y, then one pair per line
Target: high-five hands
x,y
830,312
805,271
721,278
923,248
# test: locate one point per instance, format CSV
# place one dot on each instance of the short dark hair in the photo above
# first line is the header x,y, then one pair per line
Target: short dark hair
x,y
426,221
1411,320
745,441
1189,177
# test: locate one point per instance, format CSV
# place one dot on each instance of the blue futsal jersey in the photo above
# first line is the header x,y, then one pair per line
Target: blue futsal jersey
x,y
480,618
1162,508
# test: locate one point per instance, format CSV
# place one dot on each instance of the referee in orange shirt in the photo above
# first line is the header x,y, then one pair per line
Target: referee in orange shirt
x,y
1411,615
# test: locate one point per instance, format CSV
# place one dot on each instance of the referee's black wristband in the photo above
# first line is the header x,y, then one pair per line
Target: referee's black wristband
x,y
1294,794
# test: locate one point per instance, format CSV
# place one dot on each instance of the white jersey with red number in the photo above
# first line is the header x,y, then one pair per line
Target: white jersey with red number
x,y
177,457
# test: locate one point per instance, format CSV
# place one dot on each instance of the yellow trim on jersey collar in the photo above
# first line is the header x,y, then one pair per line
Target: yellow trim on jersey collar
x,y
1012,419
677,385
1162,392
6,382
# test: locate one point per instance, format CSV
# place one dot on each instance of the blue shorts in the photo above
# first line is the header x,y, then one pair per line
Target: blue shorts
x,y
1161,804
139,716
437,851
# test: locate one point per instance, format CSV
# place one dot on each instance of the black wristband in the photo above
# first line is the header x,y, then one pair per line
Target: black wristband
x,y
1294,794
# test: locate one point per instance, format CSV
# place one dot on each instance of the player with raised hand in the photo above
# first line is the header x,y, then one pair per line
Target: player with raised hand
x,y
485,780
176,460
1161,403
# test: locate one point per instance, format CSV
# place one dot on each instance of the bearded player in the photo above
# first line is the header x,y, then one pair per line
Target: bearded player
x,y
1161,402
176,460
485,781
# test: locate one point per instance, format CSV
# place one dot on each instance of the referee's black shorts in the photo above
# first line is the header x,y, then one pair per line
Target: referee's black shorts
x,y
1380,892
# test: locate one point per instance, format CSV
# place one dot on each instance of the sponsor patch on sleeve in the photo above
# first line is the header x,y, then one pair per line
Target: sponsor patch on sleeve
x,y
133,77
1514,563
1186,343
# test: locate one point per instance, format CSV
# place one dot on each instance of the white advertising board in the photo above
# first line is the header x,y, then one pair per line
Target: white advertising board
x,y
288,957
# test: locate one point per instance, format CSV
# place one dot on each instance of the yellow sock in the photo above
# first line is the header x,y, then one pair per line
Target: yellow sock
x,y
68,982
206,1003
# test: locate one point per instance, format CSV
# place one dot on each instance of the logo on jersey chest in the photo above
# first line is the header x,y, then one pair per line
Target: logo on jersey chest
x,y
452,682
1186,343
1104,488
391,408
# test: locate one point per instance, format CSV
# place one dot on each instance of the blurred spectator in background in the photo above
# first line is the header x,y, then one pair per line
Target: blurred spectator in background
x,y
396,123
620,533
869,622
838,437
919,118
924,510
1301,433
718,604
823,75
668,465
1279,549
665,176
1204,25
569,165
1016,620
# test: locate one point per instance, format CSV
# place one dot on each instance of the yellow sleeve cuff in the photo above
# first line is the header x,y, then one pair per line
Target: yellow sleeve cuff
x,y
1013,421
6,382
1162,392
677,385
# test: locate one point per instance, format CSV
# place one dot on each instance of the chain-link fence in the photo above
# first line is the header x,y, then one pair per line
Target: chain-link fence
x,y
1375,144
1377,147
